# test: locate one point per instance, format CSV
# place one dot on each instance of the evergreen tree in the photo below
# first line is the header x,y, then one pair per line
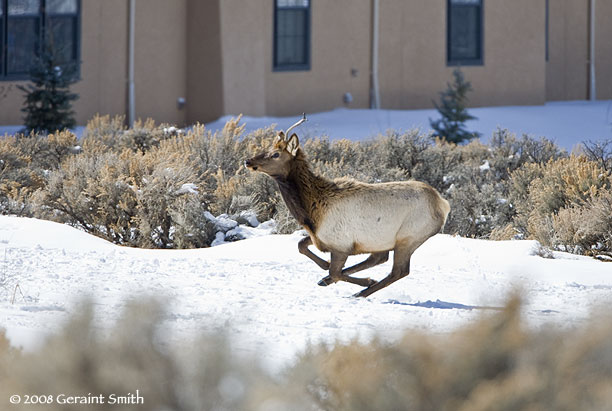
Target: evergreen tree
x,y
48,100
452,108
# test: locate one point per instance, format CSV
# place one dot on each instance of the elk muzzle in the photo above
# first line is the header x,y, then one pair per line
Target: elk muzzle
x,y
248,163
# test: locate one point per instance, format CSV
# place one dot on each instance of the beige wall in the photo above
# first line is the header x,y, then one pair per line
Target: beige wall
x,y
161,59
412,65
243,45
204,72
413,54
566,70
603,49
102,88
340,42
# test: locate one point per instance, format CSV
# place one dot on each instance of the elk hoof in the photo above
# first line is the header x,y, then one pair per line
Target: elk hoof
x,y
365,292
325,281
361,294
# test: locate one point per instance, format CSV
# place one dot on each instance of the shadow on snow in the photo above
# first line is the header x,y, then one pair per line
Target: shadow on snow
x,y
444,305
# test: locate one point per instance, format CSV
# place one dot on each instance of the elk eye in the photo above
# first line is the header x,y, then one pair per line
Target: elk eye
x,y
276,155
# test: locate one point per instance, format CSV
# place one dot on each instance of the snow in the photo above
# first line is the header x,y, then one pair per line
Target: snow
x,y
567,123
264,294
485,166
187,188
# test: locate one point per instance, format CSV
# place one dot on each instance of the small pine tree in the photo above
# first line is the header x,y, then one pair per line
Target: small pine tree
x,y
48,100
452,108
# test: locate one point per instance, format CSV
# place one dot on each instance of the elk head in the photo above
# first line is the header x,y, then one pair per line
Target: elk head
x,y
276,161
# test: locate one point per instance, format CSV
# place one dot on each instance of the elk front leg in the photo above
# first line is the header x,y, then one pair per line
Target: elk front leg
x,y
335,269
303,248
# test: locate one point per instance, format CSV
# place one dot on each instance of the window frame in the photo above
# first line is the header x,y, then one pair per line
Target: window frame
x,y
479,61
307,39
42,22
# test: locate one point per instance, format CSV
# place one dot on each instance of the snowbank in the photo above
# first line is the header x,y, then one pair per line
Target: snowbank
x,y
265,295
567,123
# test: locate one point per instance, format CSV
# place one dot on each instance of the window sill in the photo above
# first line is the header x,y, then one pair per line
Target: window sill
x,y
291,67
460,63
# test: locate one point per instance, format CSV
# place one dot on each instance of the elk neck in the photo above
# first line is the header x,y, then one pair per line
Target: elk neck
x,y
304,192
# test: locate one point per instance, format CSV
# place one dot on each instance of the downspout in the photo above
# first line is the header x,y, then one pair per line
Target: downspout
x,y
592,88
374,90
131,36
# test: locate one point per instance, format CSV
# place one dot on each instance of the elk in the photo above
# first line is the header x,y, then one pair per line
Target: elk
x,y
345,217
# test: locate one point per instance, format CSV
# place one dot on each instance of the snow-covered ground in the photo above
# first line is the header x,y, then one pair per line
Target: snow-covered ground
x,y
264,294
567,123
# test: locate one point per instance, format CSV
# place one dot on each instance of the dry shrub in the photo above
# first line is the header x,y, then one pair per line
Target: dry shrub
x,y
128,198
25,160
556,203
495,363
585,229
149,186
104,129
82,361
504,233
600,152
131,185
420,372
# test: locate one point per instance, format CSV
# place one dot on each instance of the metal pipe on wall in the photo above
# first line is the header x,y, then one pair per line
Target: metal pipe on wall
x,y
592,83
131,87
374,90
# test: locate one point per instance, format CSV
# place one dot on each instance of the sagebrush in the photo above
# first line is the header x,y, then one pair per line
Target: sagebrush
x,y
127,184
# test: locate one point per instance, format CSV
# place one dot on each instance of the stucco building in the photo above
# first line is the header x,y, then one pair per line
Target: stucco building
x,y
183,61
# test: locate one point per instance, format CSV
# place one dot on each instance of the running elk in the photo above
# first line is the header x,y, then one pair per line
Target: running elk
x,y
346,217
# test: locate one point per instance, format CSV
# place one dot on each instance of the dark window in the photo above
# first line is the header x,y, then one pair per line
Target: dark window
x,y
27,25
291,35
22,35
465,32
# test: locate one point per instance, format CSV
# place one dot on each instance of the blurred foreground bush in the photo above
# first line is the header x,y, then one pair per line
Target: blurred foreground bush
x,y
153,185
494,363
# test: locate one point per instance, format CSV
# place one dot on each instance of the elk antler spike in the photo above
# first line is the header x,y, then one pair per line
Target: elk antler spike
x,y
303,119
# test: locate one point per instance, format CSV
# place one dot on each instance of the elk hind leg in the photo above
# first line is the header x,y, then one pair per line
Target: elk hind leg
x,y
373,260
401,268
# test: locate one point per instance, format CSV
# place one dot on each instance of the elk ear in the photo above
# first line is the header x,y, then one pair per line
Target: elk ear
x,y
293,144
279,137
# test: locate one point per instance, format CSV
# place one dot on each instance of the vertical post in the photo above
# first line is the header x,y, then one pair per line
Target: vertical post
x,y
592,88
374,90
131,89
